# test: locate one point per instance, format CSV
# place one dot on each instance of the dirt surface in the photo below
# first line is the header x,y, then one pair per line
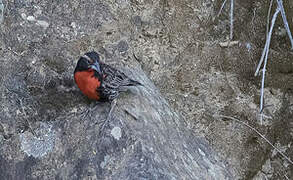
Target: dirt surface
x,y
177,44
200,79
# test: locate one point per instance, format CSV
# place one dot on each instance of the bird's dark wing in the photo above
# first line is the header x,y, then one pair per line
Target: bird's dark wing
x,y
113,82
115,78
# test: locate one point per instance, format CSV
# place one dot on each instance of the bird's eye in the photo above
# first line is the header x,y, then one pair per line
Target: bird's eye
x,y
90,61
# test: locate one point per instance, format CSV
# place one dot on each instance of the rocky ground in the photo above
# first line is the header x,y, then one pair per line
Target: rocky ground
x,y
177,44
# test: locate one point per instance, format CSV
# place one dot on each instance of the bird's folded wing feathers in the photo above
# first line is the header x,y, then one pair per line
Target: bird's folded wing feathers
x,y
115,78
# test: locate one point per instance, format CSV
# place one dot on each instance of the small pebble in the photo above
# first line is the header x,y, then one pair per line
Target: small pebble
x,y
43,23
73,25
31,18
116,133
23,15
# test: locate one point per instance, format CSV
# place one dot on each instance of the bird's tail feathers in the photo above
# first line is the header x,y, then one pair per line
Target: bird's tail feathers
x,y
133,83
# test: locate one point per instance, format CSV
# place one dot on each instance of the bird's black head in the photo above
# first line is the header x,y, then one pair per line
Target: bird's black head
x,y
90,60
93,55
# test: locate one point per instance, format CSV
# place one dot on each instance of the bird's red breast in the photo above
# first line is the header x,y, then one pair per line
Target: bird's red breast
x,y
87,83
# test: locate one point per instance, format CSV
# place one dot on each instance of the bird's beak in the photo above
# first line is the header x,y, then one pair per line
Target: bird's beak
x,y
96,67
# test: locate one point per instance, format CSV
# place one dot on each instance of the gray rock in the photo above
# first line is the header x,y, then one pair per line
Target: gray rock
x,y
39,144
122,46
116,133
51,131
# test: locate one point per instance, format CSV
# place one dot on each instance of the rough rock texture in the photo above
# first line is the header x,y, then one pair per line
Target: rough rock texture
x,y
177,44
145,139
51,131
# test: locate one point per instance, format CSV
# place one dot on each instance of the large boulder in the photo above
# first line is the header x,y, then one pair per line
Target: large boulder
x,y
51,131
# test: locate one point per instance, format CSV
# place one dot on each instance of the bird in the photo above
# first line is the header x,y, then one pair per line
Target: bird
x,y
100,81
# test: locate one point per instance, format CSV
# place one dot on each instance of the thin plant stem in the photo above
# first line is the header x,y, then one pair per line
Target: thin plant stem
x,y
268,18
281,7
265,62
223,5
231,19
